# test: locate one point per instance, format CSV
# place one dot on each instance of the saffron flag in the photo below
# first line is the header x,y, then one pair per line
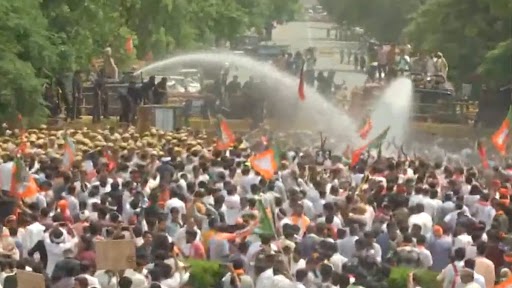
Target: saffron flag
x,y
88,166
265,163
226,138
23,184
363,133
111,163
69,153
501,137
375,143
356,155
302,95
505,284
128,45
265,222
482,153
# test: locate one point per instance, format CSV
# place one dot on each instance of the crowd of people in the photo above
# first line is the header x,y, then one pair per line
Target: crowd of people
x,y
179,198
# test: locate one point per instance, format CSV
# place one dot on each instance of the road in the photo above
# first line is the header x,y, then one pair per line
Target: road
x,y
301,35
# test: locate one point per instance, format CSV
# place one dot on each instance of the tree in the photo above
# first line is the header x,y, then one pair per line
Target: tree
x,y
42,39
26,49
444,25
84,29
497,63
383,19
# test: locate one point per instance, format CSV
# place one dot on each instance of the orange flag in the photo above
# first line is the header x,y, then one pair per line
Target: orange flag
x,y
302,95
482,153
356,155
363,133
265,163
501,137
226,138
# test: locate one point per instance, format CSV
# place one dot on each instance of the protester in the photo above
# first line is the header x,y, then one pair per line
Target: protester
x,y
183,197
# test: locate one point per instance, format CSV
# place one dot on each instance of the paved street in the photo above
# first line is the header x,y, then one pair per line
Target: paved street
x,y
301,35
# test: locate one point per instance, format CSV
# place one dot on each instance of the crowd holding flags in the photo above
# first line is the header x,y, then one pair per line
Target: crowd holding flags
x,y
21,184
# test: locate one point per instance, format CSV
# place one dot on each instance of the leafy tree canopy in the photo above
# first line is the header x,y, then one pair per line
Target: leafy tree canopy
x,y
475,36
45,38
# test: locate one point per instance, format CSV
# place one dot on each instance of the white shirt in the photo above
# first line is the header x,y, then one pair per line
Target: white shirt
x,y
471,285
105,189
55,251
462,241
422,219
294,266
180,238
92,281
478,282
425,257
337,262
377,252
447,275
105,281
479,279
233,208
138,279
431,206
347,246
176,281
279,281
33,233
415,199
356,179
451,218
175,202
265,279
336,222
484,213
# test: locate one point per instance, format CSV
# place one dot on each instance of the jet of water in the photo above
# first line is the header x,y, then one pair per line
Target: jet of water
x,y
315,114
394,110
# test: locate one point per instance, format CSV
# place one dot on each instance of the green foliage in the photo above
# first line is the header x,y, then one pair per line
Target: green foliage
x,y
43,38
473,35
383,19
204,273
465,32
497,63
426,278
25,50
208,274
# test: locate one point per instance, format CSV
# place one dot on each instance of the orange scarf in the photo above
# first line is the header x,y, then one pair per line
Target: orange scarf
x,y
301,221
239,272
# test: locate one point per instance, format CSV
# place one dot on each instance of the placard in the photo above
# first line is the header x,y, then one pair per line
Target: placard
x,y
115,254
28,279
